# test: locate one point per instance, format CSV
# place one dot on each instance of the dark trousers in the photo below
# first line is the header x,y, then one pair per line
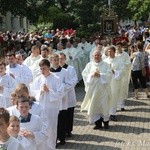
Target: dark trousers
x,y
61,127
70,116
137,75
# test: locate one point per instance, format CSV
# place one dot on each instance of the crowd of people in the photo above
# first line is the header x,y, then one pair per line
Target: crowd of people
x,y
38,75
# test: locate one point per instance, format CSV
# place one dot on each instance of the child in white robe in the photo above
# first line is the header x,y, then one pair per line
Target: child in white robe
x,y
13,130
7,142
7,84
31,126
48,90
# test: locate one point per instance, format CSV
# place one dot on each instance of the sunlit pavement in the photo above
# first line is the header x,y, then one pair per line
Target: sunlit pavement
x,y
130,132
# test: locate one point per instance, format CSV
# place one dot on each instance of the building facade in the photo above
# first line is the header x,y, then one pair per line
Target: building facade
x,y
13,23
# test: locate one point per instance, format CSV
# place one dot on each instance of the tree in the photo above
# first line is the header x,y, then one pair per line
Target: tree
x,y
121,9
15,8
140,9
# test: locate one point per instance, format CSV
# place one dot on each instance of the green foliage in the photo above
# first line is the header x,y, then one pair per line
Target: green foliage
x,y
87,31
140,9
58,17
40,27
121,9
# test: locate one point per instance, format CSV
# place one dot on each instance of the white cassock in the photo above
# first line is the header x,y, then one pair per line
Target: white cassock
x,y
12,144
73,81
91,46
78,65
70,52
27,76
124,57
86,46
35,125
9,85
25,143
35,109
17,71
97,97
50,101
33,64
83,55
65,79
116,82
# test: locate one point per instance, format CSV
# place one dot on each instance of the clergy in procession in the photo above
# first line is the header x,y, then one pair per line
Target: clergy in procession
x,y
48,90
118,69
7,85
32,62
27,76
96,76
125,58
71,94
45,52
31,126
97,43
70,53
67,84
14,69
78,59
85,50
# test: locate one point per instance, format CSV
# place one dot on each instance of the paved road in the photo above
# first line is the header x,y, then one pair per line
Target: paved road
x,y
131,132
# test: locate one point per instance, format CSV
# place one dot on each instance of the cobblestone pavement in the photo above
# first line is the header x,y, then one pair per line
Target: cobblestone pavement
x,y
130,132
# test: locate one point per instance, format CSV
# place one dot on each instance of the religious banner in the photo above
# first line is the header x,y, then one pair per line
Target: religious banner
x,y
109,25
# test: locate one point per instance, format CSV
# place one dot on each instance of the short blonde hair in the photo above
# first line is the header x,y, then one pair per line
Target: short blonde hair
x,y
13,118
21,87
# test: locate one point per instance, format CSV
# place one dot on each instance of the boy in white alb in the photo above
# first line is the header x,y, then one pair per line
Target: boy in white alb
x,y
7,142
7,85
31,126
13,130
64,77
48,90
71,94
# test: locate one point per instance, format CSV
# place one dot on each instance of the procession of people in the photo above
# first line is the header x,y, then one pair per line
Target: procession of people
x,y
39,73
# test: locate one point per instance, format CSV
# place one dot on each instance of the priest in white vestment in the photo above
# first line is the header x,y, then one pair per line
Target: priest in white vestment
x,y
125,58
78,60
96,76
118,68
